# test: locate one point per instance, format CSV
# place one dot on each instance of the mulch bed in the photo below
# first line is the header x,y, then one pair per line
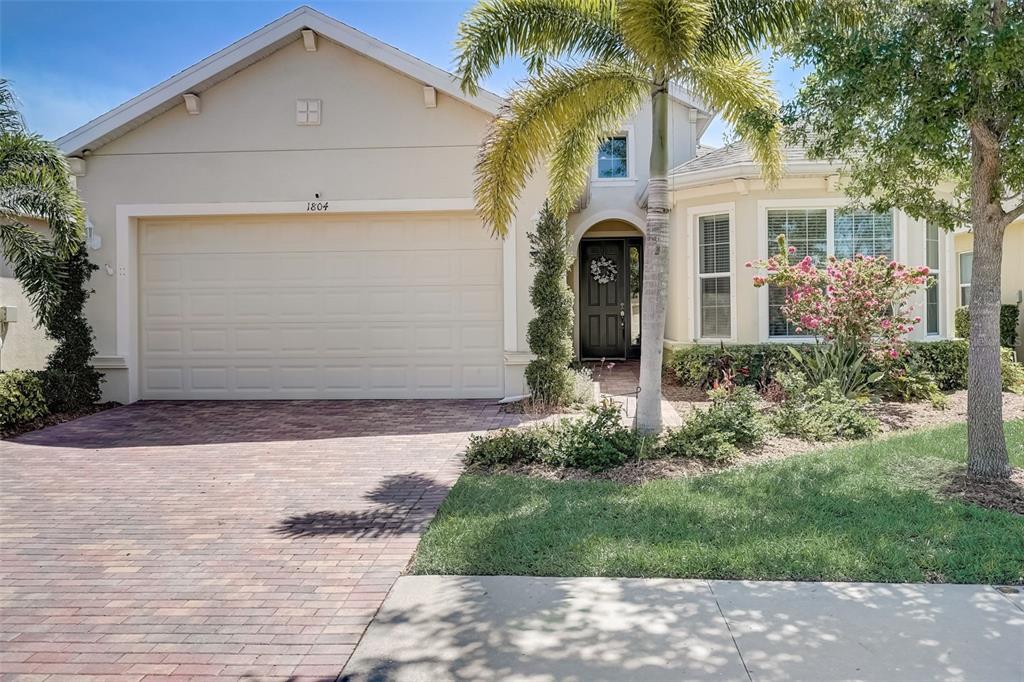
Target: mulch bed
x,y
1005,495
54,419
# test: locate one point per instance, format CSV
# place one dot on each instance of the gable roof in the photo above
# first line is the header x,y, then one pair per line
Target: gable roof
x,y
245,52
264,42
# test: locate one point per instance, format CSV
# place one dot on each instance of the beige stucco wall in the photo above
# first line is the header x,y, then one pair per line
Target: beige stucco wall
x,y
376,141
1013,268
748,245
23,345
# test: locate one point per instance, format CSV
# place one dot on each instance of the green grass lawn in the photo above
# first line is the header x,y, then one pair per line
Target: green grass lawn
x,y
864,512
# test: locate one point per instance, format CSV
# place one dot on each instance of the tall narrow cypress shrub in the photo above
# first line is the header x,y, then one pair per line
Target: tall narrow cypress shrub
x,y
550,331
70,381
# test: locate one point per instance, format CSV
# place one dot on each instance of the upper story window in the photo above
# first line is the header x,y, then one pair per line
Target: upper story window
x,y
613,158
966,265
820,233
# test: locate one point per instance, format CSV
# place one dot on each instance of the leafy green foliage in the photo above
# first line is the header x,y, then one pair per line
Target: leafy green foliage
x,y
21,397
35,184
70,381
508,446
597,440
838,362
871,511
1009,313
820,413
741,365
549,332
894,95
911,383
591,65
715,434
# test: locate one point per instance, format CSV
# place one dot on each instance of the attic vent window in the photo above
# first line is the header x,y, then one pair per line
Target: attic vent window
x,y
307,112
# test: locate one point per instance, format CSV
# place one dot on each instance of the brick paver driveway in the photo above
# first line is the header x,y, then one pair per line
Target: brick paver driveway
x,y
216,538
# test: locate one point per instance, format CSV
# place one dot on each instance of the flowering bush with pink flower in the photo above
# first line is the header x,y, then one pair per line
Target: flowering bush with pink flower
x,y
860,302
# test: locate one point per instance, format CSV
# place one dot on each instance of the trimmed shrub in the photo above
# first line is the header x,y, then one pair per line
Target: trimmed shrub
x,y
740,365
945,361
70,381
508,446
550,331
597,440
733,421
911,384
21,398
1009,314
820,413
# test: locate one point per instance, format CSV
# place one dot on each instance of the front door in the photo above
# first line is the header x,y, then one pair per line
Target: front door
x,y
604,298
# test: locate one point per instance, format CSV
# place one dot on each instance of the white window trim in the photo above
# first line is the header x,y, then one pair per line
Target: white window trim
x,y
960,276
693,215
831,205
630,178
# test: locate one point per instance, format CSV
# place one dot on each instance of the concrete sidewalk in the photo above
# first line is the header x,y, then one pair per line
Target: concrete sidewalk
x,y
434,628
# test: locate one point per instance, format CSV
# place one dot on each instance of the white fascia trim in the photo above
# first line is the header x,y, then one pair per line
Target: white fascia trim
x,y
126,340
693,213
290,25
679,179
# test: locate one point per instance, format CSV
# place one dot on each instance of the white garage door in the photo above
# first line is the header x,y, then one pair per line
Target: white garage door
x,y
357,306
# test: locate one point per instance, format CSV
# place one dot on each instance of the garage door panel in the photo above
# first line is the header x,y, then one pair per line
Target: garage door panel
x,y
351,307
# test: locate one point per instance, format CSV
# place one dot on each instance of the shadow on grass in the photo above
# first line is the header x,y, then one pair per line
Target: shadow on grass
x,y
863,513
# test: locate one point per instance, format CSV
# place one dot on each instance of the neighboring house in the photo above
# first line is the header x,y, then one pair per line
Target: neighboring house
x,y
293,218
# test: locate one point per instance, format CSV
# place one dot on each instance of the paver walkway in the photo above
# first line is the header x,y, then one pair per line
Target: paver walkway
x,y
518,629
620,380
216,538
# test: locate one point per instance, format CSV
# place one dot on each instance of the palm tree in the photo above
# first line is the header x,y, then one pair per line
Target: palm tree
x,y
591,63
35,184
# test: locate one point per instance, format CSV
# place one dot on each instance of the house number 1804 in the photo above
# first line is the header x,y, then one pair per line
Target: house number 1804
x,y
316,206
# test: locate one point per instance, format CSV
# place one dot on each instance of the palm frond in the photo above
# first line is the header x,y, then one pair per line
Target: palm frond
x,y
743,25
574,151
742,91
531,122
31,257
664,33
537,30
10,118
35,182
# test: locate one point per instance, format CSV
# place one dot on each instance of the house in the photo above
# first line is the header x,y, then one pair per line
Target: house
x,y
292,217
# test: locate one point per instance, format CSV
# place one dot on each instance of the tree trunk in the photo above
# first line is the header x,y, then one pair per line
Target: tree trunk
x,y
655,286
986,442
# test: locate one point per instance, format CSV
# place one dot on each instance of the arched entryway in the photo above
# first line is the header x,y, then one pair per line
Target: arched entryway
x,y
607,281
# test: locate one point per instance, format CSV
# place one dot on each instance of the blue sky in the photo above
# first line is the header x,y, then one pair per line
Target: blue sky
x,y
72,61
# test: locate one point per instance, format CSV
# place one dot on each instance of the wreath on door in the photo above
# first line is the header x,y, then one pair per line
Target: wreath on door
x,y
603,270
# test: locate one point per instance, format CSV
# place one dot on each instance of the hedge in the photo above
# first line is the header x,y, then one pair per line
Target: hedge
x,y
1009,313
755,365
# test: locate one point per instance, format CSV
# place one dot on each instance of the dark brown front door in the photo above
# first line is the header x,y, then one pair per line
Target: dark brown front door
x,y
604,304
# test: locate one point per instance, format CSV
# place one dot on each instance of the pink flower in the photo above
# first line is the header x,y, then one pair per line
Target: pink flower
x,y
886,323
917,320
759,281
749,264
791,250
893,353
923,270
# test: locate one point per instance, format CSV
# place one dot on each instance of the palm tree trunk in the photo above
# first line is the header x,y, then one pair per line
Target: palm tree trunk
x,y
656,241
986,442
